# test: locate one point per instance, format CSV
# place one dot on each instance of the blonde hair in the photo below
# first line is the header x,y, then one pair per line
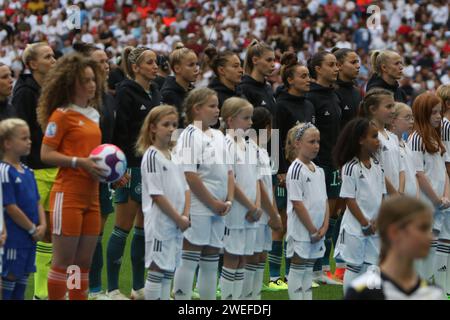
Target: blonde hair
x,y
255,49
380,57
290,142
132,56
31,52
178,54
443,92
7,130
146,138
295,134
198,96
399,107
232,107
399,210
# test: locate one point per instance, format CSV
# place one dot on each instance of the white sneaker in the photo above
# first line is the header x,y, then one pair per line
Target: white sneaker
x,y
137,295
99,296
117,295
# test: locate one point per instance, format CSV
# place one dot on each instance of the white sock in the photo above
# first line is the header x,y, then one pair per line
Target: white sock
x,y
227,283
441,267
351,273
152,289
207,277
165,285
238,283
429,262
295,280
307,281
184,275
249,279
258,282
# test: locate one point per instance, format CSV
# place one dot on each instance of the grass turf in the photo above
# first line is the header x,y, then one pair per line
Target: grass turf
x,y
324,292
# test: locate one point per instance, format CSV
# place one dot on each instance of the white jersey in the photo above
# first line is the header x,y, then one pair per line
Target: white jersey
x,y
265,173
445,136
366,186
309,187
205,153
244,163
433,165
411,184
1,213
389,156
161,176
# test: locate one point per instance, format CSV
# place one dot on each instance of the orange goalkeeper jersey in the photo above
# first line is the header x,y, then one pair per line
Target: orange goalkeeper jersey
x,y
74,132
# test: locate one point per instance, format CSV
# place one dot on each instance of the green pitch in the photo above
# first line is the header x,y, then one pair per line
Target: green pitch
x,y
324,292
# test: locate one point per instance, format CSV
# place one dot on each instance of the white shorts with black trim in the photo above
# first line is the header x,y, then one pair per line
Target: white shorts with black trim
x,y
445,225
166,254
206,231
305,249
240,242
263,239
357,250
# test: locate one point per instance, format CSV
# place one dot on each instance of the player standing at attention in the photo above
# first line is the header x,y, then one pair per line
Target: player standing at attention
x,y
227,68
323,69
135,97
363,186
24,215
387,69
39,59
184,64
107,118
404,225
270,220
165,201
429,157
240,222
378,107
67,109
350,97
403,123
307,211
202,152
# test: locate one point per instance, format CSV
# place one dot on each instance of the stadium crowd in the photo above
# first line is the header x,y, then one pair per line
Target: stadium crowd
x,y
418,30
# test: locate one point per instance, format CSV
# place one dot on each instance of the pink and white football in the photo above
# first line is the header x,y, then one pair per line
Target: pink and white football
x,y
113,161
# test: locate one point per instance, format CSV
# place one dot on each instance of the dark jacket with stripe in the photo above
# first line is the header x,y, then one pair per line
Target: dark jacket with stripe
x,y
350,98
289,111
25,100
259,94
377,82
328,115
133,105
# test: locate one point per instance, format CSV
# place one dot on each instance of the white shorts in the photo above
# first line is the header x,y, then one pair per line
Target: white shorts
x,y
357,250
240,242
305,249
439,219
445,226
263,239
206,231
166,254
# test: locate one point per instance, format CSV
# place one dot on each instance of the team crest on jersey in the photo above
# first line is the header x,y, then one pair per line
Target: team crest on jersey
x,y
385,148
18,180
138,189
361,176
164,168
308,179
326,113
346,107
51,130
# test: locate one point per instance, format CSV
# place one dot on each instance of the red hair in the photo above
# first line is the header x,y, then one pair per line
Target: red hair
x,y
422,109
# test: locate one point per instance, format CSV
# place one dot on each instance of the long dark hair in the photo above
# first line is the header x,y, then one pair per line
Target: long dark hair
x,y
347,146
